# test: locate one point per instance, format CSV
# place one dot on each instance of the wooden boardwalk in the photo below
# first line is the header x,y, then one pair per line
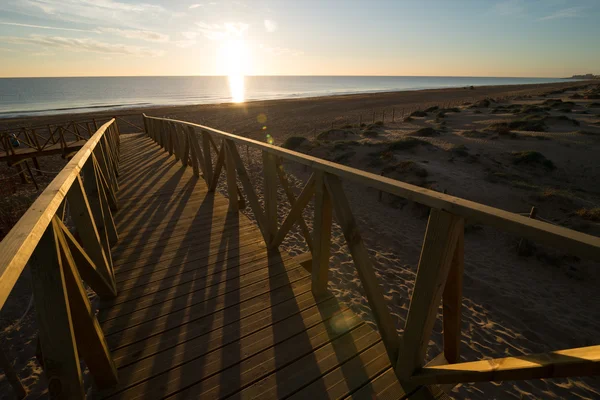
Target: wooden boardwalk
x,y
204,310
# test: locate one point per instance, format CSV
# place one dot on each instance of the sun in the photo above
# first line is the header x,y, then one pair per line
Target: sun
x,y
236,58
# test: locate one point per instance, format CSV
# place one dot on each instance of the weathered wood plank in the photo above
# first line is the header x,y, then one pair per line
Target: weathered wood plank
x,y
452,303
439,246
581,361
53,314
364,266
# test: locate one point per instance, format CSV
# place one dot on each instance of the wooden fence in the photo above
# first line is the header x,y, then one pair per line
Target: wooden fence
x,y
440,268
60,258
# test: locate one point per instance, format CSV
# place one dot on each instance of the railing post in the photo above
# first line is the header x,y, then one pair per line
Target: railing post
x,y
437,254
321,236
61,359
452,303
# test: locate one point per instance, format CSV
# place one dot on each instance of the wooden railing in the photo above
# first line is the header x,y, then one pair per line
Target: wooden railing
x,y
82,196
440,269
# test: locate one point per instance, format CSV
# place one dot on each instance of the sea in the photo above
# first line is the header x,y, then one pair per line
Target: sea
x,y
46,96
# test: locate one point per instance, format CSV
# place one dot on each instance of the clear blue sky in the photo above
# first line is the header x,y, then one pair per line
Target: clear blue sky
x,y
545,38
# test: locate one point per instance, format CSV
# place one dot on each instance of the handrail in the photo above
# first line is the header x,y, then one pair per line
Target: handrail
x,y
59,262
441,265
556,236
18,245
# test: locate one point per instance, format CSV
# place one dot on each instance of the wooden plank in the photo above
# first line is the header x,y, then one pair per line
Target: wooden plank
x,y
295,213
349,376
583,361
384,387
221,340
241,286
185,145
124,335
439,246
365,267
199,381
562,238
53,314
452,303
173,288
321,236
270,195
88,334
250,316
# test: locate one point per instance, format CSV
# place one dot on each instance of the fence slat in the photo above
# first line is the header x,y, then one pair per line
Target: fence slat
x,y
270,195
57,338
443,230
364,266
88,333
296,211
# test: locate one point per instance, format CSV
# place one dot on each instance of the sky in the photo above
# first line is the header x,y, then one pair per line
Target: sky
x,y
514,38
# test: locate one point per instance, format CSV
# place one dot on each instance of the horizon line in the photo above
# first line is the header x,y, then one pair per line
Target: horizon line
x,y
293,75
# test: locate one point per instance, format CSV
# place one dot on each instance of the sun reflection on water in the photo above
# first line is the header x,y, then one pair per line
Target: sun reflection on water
x,y
236,58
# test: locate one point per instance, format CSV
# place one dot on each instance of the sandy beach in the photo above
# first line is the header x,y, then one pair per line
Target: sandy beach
x,y
511,147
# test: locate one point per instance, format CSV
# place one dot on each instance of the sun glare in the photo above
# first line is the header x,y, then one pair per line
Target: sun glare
x,y
236,59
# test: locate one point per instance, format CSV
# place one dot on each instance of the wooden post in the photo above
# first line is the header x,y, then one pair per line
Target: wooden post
x,y
393,114
439,247
57,337
321,236
452,303
270,194
523,242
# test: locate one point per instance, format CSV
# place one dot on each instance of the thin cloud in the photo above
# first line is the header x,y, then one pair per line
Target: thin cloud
x,y
195,6
279,51
97,11
148,36
270,26
189,35
572,12
509,8
81,45
48,27
222,31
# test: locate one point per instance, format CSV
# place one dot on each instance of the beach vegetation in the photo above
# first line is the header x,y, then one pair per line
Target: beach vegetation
x,y
591,214
532,158
427,131
418,113
294,142
407,143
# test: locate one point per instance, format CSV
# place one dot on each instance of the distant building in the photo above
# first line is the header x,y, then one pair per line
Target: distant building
x,y
586,76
